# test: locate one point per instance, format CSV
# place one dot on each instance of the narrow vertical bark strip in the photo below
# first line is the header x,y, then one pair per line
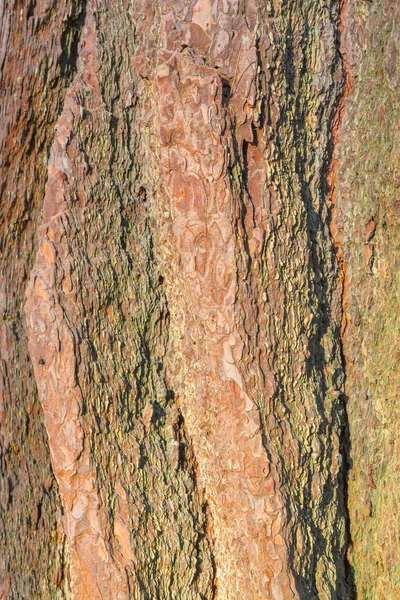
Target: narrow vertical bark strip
x,y
241,483
368,220
37,62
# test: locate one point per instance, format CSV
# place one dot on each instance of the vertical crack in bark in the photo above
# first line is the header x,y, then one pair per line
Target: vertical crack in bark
x,y
335,231
335,227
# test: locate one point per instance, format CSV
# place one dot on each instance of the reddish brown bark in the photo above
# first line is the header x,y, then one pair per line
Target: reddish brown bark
x,y
37,57
191,283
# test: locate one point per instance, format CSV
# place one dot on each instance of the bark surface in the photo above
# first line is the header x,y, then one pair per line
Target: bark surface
x,y
38,44
199,397
368,236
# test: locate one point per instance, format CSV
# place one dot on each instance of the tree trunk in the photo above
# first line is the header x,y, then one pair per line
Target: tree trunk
x,y
199,235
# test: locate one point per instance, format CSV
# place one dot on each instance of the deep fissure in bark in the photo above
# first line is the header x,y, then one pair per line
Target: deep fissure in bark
x,y
329,188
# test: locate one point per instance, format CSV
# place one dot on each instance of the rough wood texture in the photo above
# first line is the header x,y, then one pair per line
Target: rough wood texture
x,y
196,265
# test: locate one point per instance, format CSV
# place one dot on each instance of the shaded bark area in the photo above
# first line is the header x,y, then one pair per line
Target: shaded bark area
x,y
367,223
195,257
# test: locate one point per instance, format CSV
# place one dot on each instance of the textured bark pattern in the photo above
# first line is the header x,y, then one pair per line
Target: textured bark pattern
x,y
256,373
187,280
37,55
251,280
135,521
196,154
368,219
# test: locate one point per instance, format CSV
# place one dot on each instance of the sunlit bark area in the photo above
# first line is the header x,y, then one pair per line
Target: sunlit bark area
x,y
199,287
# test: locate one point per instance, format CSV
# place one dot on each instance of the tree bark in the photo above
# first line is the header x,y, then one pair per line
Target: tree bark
x,y
368,218
199,226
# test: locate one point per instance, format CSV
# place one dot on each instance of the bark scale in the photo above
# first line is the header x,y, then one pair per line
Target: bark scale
x,y
187,313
